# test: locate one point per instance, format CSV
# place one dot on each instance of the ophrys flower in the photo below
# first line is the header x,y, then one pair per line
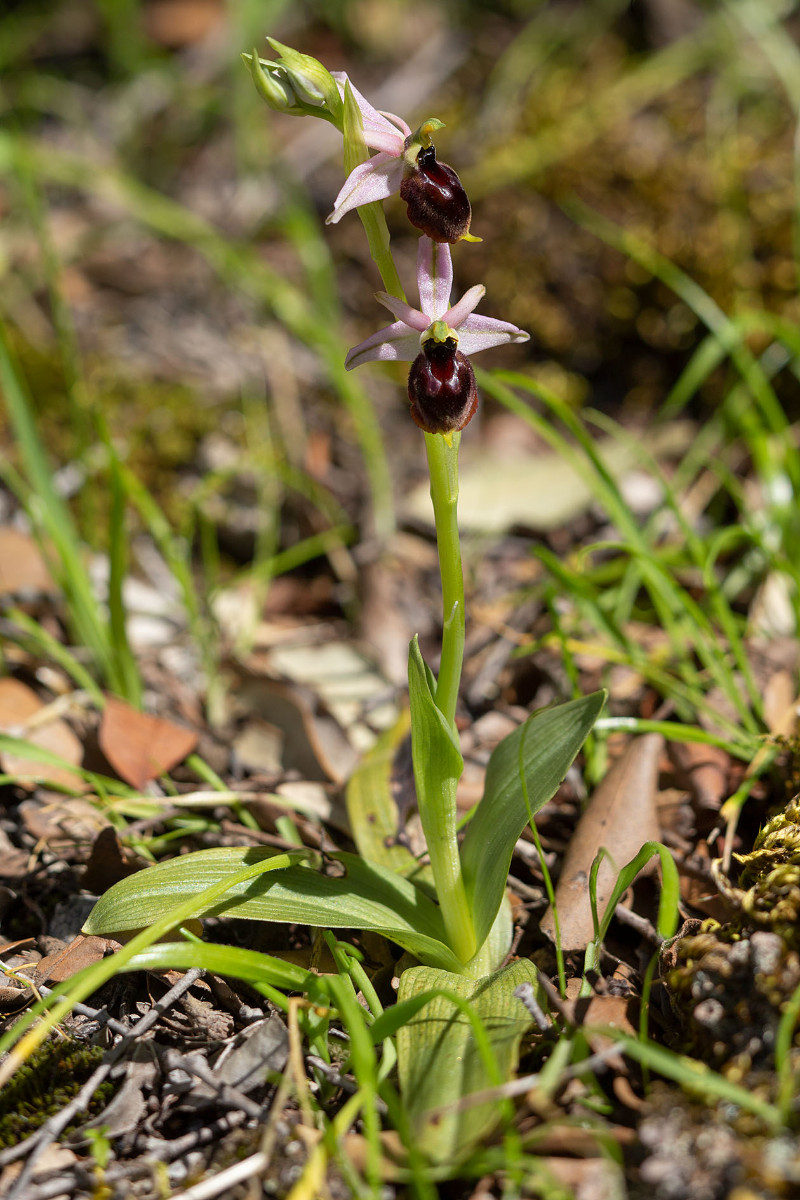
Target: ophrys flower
x,y
437,340
406,163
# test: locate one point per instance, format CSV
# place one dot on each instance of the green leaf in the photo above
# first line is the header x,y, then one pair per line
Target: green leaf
x,y
668,914
234,961
539,754
463,1039
695,1077
81,985
48,758
371,807
494,951
367,896
435,747
437,769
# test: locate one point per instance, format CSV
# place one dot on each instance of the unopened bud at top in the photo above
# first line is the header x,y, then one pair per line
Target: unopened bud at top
x,y
296,83
313,84
271,84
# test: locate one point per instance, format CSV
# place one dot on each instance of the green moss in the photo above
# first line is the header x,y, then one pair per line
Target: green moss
x,y
52,1077
156,424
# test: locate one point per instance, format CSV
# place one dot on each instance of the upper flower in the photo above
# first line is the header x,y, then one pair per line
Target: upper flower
x,y
403,340
405,163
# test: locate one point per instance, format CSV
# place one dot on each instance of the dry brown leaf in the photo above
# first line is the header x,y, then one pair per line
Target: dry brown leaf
x,y
318,453
623,1090
706,770
81,952
50,817
14,861
13,1000
384,615
258,747
357,1151
107,863
780,703
779,656
55,1161
607,1011
314,742
495,492
780,711
698,892
621,816
18,704
22,567
582,1174
771,613
584,1142
23,715
311,958
125,1111
140,747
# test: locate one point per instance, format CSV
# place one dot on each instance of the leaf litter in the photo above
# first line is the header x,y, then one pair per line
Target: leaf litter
x,y
176,1077
171,1096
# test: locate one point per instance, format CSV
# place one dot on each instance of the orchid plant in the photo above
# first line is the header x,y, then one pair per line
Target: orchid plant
x,y
452,916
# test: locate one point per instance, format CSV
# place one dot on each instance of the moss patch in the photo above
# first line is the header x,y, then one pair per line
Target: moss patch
x,y
45,1084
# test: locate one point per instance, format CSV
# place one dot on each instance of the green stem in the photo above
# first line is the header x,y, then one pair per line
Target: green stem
x,y
443,467
449,879
375,227
437,769
440,824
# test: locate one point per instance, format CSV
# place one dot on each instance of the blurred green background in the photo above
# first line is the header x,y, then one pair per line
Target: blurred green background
x,y
162,249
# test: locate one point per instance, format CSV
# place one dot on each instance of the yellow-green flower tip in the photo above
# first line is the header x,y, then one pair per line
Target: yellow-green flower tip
x,y
439,331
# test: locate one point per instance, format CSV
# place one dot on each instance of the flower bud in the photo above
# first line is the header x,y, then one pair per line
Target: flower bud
x,y
313,84
271,84
435,198
441,387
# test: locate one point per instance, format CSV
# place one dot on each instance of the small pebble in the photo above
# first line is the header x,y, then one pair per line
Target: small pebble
x,y
709,1013
739,954
767,952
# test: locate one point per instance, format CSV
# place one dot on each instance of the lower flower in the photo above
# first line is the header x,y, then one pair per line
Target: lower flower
x,y
436,339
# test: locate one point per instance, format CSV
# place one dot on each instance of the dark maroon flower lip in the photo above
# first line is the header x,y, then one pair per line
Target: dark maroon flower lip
x,y
436,202
442,388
